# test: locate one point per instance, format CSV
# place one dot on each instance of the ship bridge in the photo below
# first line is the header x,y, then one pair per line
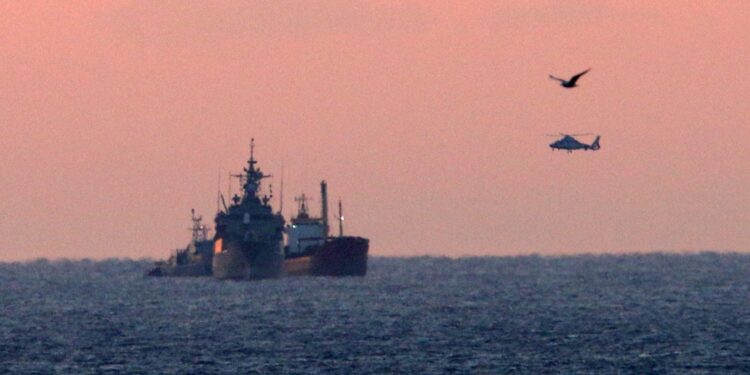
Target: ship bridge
x,y
304,233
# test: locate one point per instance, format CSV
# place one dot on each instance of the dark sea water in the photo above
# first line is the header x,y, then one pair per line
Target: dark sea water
x,y
636,314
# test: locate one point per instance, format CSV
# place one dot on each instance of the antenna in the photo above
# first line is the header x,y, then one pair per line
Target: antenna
x,y
302,200
281,192
324,205
267,198
229,184
341,220
224,203
240,180
252,147
218,191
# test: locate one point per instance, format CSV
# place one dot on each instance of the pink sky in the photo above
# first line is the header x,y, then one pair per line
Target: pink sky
x,y
427,118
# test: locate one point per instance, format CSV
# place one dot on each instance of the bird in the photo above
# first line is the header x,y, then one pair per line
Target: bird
x,y
569,84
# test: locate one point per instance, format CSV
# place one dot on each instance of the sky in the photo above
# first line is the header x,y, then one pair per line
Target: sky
x,y
428,119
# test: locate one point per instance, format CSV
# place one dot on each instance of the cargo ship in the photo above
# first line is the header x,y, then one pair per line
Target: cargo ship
x,y
310,251
193,260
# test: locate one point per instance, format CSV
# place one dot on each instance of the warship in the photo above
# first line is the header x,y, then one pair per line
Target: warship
x,y
248,243
193,260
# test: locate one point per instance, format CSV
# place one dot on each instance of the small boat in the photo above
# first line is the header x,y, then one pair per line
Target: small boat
x,y
193,260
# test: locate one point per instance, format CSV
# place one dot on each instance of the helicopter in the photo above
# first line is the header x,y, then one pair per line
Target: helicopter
x,y
567,142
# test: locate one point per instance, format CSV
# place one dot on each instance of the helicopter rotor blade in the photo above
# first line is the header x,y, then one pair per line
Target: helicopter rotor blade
x,y
568,134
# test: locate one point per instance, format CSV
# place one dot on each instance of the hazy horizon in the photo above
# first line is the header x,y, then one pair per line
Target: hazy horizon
x,y
428,119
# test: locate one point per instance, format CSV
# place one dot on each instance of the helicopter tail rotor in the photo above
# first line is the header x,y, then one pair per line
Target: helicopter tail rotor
x,y
595,146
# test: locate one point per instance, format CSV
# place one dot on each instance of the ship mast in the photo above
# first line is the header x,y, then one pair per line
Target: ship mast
x,y
324,206
200,231
281,193
253,175
218,192
341,220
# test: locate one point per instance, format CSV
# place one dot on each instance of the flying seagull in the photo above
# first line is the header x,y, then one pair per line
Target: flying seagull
x,y
569,84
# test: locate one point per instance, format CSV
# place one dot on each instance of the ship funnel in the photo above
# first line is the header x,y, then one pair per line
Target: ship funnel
x,y
324,205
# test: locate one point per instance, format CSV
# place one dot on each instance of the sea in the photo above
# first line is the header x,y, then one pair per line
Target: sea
x,y
584,314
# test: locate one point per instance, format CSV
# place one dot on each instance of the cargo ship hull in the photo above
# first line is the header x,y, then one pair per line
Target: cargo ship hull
x,y
338,256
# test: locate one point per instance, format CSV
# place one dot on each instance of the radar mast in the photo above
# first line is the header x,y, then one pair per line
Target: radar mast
x,y
200,231
253,175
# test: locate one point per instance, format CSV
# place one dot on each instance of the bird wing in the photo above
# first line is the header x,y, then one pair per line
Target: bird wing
x,y
557,79
575,77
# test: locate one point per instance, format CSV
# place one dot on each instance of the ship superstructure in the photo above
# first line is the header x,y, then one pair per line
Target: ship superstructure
x,y
304,233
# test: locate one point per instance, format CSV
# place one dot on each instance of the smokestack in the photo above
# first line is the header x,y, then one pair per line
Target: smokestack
x,y
324,205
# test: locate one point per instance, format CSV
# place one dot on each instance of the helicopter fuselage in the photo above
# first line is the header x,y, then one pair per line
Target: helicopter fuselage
x,y
571,144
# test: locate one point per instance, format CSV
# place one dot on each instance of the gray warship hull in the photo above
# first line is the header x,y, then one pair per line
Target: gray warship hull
x,y
250,261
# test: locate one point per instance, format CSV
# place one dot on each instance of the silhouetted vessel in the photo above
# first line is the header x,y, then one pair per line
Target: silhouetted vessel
x,y
194,260
249,240
248,243
311,251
